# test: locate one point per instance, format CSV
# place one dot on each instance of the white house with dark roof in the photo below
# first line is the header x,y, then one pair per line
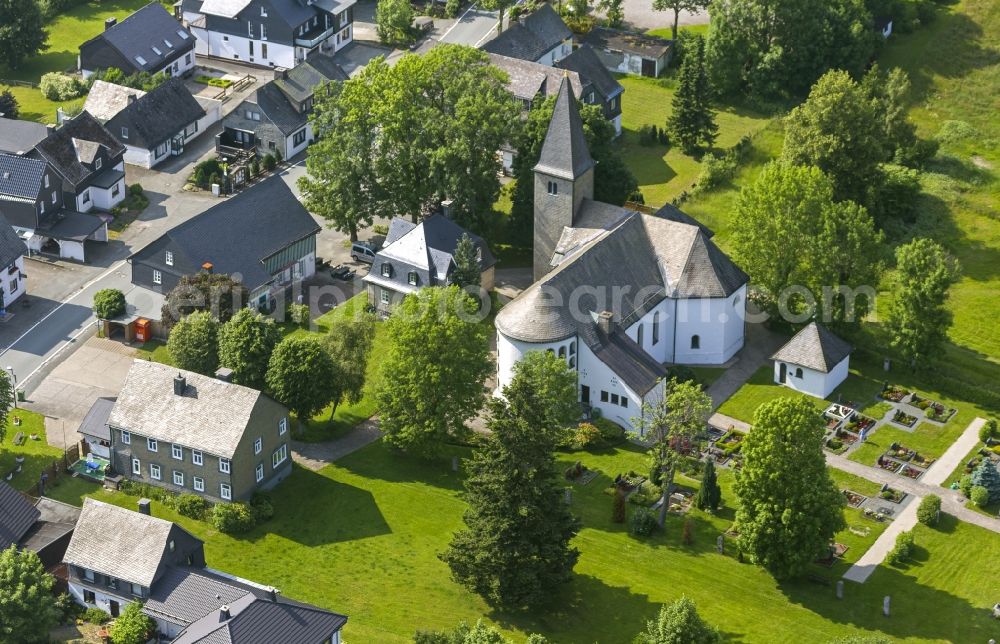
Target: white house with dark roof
x,y
620,295
149,40
13,281
814,361
539,37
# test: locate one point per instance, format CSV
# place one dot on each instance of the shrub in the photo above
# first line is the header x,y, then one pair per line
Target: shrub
x,y
953,131
965,486
57,86
452,7
716,170
254,167
988,431
95,615
682,373
261,507
611,432
585,436
109,303
642,523
232,518
203,172
299,313
135,189
980,496
380,229
902,550
648,135
268,162
215,178
278,158
191,505
927,511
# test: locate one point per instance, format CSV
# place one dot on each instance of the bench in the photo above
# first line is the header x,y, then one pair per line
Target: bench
x,y
19,438
819,579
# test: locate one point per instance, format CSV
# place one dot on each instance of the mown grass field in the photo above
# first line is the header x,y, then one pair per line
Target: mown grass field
x,y
38,454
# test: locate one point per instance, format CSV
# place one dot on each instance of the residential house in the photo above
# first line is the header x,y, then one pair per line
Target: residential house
x,y
158,124
629,52
21,137
619,294
118,556
539,37
150,40
276,117
416,256
13,281
186,432
89,161
31,199
600,87
43,526
268,33
94,427
263,236
814,361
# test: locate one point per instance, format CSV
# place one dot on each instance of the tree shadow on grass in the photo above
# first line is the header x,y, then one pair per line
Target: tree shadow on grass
x,y
379,461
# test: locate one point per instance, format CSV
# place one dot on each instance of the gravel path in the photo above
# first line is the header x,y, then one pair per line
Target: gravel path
x,y
316,456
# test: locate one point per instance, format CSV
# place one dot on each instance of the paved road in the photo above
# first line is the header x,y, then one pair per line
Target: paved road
x,y
473,28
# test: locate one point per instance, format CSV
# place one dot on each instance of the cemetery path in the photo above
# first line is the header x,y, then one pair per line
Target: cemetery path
x,y
942,468
316,456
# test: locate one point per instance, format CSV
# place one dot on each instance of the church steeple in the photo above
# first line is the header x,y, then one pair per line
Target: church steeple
x,y
564,177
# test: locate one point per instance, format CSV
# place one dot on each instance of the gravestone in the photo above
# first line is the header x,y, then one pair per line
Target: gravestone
x,y
885,606
569,496
720,544
454,463
840,589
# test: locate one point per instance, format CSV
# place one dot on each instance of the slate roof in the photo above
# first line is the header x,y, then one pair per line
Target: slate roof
x,y
528,79
95,423
118,542
237,234
585,62
564,151
105,100
630,42
636,368
275,106
19,137
184,595
531,36
673,213
70,225
161,113
75,143
814,347
55,521
11,244
212,415
299,82
20,177
17,516
151,26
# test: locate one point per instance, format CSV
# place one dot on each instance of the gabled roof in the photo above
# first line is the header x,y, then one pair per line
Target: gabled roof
x,y
75,143
299,82
20,137
20,177
185,595
238,234
630,42
528,79
211,415
224,8
11,244
673,213
17,516
276,108
564,152
531,36
119,543
105,100
95,423
148,38
814,347
161,113
585,62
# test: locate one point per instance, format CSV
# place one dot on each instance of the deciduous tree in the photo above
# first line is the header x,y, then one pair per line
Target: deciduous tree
x,y
133,626
109,303
194,343
789,509
677,6
553,385
246,343
28,609
431,379
614,10
216,293
889,92
22,32
299,375
678,623
394,22
691,123
349,343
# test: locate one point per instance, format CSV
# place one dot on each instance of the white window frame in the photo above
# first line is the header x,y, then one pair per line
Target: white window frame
x,y
282,425
196,457
177,452
279,456
124,132
126,437
384,296
152,445
136,467
199,484
260,472
225,466
168,258
98,162
154,472
179,476
226,491
258,445
157,277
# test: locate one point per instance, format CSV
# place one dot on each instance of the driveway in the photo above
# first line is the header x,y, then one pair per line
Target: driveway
x,y
639,16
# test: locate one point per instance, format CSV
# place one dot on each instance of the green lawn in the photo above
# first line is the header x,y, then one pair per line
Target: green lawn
x,y
367,544
37,454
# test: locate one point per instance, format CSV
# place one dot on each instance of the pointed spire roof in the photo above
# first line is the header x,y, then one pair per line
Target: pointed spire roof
x,y
564,152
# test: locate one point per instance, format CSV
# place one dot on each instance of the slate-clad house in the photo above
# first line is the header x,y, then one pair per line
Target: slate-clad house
x,y
191,433
158,124
814,361
94,427
43,526
538,37
268,33
21,137
150,40
619,294
263,235
415,256
599,86
89,160
31,199
13,282
276,117
118,556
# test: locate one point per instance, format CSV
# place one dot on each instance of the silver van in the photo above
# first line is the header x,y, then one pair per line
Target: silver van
x,y
363,252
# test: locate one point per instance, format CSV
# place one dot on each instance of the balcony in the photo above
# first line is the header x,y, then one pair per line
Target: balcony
x,y
314,36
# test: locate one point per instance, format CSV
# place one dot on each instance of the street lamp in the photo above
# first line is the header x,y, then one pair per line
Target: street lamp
x,y
13,384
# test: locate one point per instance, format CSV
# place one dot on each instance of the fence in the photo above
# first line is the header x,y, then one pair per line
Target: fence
x,y
226,92
18,83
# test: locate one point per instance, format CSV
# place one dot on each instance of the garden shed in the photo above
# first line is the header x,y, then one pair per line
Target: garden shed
x,y
814,361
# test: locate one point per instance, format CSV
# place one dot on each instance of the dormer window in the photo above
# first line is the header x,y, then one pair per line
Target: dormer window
x,y
183,35
386,269
411,277
168,44
97,163
168,258
263,11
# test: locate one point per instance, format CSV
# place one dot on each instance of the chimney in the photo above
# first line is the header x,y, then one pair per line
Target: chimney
x,y
272,594
144,507
207,267
180,384
446,206
109,23
606,322
225,374
522,18
224,613
130,99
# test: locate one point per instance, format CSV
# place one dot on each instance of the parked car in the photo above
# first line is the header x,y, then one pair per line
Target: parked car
x,y
363,252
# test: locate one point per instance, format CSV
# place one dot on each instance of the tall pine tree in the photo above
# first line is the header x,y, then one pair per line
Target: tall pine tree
x,y
709,493
691,124
514,551
466,271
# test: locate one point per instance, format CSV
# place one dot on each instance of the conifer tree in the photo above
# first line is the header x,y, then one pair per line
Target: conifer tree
x,y
691,124
709,493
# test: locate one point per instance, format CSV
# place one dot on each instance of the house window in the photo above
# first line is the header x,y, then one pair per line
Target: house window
x,y
86,196
411,277
97,163
282,426
638,335
177,452
604,396
88,595
157,277
225,491
263,11
88,575
136,467
279,456
55,196
572,362
115,190
187,59
386,269
250,31
126,438
656,327
179,478
260,472
614,399
196,457
199,484
154,471
299,137
151,444
695,342
224,465
168,258
624,402
258,445
124,132
263,32
562,352
263,50
553,188
384,296
161,149
136,590
798,372
590,98
46,181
